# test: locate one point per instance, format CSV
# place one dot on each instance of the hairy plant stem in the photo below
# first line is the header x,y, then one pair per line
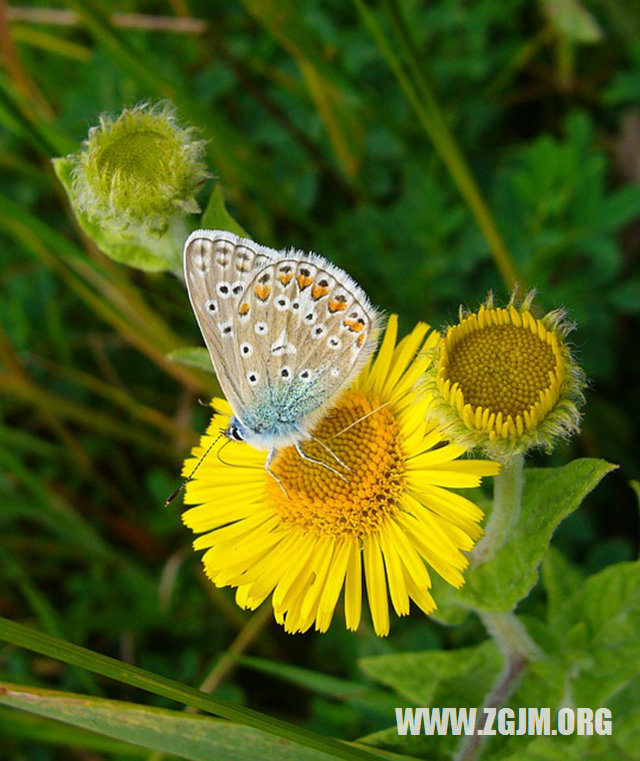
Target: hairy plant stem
x,y
507,499
506,630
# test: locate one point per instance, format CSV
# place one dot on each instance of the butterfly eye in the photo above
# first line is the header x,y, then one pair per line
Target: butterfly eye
x,y
246,349
334,343
237,289
223,290
305,375
318,331
211,306
252,378
282,303
285,373
260,328
311,317
235,433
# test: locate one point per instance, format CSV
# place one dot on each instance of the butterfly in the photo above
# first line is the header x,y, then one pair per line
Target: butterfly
x,y
286,331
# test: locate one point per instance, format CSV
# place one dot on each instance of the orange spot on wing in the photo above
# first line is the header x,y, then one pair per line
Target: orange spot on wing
x,y
360,339
262,291
355,326
244,309
285,278
337,305
304,281
318,292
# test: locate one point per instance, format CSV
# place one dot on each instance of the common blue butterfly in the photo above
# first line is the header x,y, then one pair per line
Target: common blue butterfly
x,y
286,331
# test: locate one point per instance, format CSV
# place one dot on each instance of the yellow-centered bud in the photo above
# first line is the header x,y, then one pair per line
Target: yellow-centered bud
x,y
505,381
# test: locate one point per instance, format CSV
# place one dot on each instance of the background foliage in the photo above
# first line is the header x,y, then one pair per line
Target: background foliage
x,y
316,144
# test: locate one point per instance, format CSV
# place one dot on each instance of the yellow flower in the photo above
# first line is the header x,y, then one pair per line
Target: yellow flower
x,y
388,513
505,381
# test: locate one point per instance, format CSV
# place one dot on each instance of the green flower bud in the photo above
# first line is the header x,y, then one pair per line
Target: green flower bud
x,y
132,186
139,170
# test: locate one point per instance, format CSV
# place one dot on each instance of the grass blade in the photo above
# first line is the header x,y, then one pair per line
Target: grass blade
x,y
23,636
188,736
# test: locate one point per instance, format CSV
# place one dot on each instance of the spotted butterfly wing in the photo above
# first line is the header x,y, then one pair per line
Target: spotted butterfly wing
x,y
285,336
217,267
304,329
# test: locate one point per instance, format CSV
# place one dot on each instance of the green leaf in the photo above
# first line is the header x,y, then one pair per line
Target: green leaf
x,y
216,216
433,678
192,356
23,636
622,743
187,736
144,252
561,579
600,624
625,739
438,677
549,496
548,749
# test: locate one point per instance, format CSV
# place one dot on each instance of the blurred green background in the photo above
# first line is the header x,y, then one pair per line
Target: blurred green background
x,y
373,134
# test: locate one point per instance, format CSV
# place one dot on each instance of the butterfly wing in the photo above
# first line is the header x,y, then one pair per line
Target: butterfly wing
x,y
218,266
304,329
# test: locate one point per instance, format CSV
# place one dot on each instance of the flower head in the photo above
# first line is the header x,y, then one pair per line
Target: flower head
x,y
384,511
506,381
139,170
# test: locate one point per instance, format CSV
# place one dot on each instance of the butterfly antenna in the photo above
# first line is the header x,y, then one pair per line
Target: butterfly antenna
x,y
177,491
364,417
359,420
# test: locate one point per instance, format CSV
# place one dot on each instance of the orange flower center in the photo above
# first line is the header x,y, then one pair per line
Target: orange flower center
x,y
356,500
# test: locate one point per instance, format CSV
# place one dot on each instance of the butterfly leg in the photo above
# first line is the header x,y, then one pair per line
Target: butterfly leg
x,y
327,448
319,462
267,467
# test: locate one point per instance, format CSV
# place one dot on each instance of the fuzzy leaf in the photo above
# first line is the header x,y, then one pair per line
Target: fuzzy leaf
x,y
458,677
550,495
433,678
560,578
600,623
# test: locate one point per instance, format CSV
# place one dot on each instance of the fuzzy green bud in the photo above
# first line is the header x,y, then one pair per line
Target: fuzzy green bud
x,y
133,184
140,169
